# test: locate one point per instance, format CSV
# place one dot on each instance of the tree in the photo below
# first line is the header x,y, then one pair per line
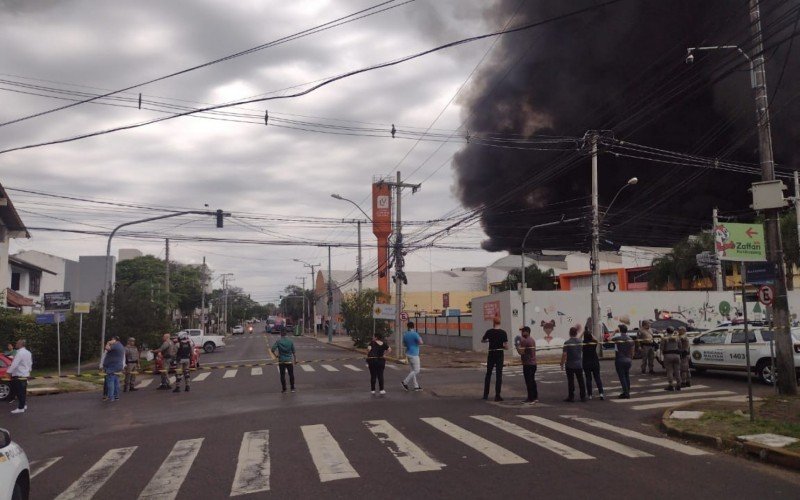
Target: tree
x,y
679,267
148,274
791,249
535,279
357,313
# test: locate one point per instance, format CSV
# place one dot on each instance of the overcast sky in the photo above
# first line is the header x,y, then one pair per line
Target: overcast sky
x,y
58,48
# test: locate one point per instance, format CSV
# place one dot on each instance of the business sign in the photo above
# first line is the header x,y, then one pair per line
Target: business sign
x,y
57,301
740,242
384,311
382,228
50,318
491,310
760,273
81,307
445,300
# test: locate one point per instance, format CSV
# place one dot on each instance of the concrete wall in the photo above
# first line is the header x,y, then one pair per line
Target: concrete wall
x,y
50,283
91,272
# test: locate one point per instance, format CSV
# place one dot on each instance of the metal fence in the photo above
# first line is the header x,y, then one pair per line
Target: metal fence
x,y
452,326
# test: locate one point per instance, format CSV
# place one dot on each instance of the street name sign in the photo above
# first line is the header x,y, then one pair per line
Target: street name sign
x,y
740,242
384,311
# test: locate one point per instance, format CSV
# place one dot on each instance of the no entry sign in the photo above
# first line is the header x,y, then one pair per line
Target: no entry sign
x,y
766,295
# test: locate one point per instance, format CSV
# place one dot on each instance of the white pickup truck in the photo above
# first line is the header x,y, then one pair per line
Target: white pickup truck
x,y
208,342
723,348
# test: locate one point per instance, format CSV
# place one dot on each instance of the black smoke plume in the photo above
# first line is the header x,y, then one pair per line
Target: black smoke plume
x,y
622,68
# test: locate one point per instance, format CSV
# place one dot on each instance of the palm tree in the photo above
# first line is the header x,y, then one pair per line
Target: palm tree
x,y
679,267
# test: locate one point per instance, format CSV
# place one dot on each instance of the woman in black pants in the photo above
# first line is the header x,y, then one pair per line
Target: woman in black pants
x,y
591,363
376,362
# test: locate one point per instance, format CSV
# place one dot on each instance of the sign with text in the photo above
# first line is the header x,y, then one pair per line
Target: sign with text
x,y
760,273
81,307
445,300
384,311
49,318
491,310
57,301
740,242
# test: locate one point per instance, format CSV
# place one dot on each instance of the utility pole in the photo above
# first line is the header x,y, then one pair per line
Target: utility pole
x,y
330,299
203,297
359,271
797,202
166,280
304,303
787,378
225,301
594,260
720,278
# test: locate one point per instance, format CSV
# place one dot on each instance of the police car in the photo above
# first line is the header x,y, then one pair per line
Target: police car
x,y
15,473
723,348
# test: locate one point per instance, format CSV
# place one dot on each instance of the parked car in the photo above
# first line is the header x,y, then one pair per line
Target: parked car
x,y
237,330
15,472
5,379
661,325
209,343
724,349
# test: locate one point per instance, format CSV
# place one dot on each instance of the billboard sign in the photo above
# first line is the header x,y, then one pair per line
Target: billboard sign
x,y
58,301
491,310
740,242
81,307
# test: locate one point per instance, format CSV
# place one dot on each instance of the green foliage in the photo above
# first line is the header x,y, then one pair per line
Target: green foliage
x,y
535,279
291,303
681,263
357,313
146,275
791,249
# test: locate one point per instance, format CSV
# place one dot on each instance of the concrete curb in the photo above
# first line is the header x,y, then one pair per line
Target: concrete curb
x,y
767,454
43,391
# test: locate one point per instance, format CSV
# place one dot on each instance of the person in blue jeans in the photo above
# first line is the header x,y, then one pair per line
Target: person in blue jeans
x,y
623,359
412,341
113,363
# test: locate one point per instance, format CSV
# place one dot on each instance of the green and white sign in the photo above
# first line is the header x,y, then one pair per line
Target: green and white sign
x,y
740,242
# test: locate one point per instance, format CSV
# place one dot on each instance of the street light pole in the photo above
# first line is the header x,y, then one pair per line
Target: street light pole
x,y
359,272
313,297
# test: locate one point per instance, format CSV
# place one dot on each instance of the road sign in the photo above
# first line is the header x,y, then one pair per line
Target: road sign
x,y
57,301
740,242
766,295
384,311
404,316
49,318
760,273
81,307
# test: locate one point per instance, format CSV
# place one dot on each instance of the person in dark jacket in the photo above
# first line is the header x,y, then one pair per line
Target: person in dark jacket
x,y
623,359
591,363
377,362
113,363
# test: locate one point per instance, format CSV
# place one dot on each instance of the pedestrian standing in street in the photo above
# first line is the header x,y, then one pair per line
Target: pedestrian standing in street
x,y
591,364
377,362
131,365
412,341
183,358
287,358
683,341
498,343
572,361
623,359
113,363
10,351
670,346
645,338
167,348
19,371
527,351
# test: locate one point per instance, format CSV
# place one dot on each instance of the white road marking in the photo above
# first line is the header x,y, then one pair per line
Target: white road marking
x,y
675,395
144,383
93,479
495,452
256,371
667,404
331,462
591,438
330,368
39,466
229,373
410,456
656,391
307,368
253,466
201,376
537,439
665,443
351,367
170,476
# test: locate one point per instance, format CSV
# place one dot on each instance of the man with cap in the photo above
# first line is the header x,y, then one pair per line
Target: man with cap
x,y
498,343
645,338
131,365
683,340
670,346
526,347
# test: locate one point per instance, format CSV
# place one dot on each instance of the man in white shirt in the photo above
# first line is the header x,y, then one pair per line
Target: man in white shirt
x,y
20,370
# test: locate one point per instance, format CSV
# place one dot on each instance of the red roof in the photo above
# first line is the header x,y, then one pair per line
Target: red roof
x,y
15,299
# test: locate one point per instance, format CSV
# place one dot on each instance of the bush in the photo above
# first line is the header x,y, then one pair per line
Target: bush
x,y
357,313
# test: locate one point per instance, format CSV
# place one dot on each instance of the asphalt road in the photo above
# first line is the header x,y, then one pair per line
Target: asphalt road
x,y
236,434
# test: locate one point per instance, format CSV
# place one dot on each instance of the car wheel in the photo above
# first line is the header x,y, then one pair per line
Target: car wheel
x,y
5,391
764,371
209,347
20,491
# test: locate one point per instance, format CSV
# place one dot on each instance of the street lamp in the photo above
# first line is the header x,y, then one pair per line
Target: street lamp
x,y
339,197
313,297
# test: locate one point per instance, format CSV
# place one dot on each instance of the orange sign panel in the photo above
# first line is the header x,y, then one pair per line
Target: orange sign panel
x,y
382,228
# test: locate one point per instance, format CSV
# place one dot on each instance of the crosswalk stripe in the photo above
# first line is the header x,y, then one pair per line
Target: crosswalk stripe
x,y
410,456
675,395
330,368
655,391
170,476
330,460
307,368
92,480
537,439
39,466
256,371
351,367
495,452
253,466
665,443
591,438
201,376
229,373
667,404
144,383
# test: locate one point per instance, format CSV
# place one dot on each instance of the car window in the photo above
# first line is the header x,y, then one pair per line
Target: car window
x,y
713,337
738,337
194,333
767,335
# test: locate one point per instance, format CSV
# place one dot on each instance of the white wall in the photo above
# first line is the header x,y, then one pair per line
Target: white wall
x,y
50,283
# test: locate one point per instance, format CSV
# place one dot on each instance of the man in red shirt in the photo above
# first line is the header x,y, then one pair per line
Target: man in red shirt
x,y
527,350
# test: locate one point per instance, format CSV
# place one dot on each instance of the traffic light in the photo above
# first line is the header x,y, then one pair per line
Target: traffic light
x,y
219,218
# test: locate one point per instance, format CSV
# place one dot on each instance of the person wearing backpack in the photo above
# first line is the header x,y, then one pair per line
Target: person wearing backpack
x,y
183,357
167,350
671,347
377,362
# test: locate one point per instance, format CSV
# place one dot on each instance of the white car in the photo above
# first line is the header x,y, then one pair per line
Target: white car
x,y
209,343
238,329
15,473
723,348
